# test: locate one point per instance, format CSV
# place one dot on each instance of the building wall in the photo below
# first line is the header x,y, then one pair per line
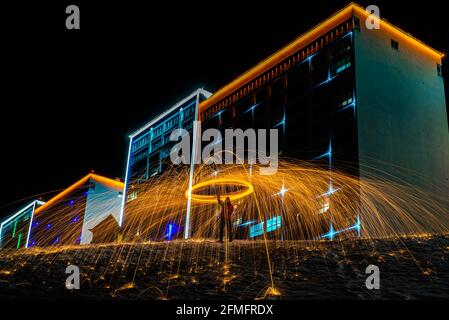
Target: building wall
x,y
151,145
60,223
102,201
401,110
312,106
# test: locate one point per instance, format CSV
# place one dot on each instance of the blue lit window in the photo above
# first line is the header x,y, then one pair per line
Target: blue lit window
x,y
91,187
140,143
189,112
172,122
238,221
188,125
166,152
132,196
341,65
346,101
156,144
140,155
256,230
273,223
157,131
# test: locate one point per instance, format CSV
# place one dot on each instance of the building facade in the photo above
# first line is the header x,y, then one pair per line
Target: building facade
x,y
150,146
15,230
70,217
367,102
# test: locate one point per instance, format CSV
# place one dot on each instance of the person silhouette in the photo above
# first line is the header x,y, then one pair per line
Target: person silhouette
x,y
226,210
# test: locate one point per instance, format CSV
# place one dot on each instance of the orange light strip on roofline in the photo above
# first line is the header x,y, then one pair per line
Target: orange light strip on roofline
x,y
76,185
280,55
417,44
62,194
330,23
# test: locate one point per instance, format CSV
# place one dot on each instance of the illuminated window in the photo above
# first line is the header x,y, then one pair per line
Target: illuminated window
x,y
153,171
140,155
341,64
91,187
141,143
273,223
189,112
356,23
172,122
439,70
346,100
188,125
325,206
256,230
157,131
166,152
394,44
238,221
132,196
156,144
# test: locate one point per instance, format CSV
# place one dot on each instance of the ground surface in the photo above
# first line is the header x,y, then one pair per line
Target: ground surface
x,y
416,268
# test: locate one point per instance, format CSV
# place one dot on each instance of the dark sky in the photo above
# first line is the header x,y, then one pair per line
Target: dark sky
x,y
69,98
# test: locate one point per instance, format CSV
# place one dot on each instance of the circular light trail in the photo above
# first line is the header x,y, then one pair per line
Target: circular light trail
x,y
211,199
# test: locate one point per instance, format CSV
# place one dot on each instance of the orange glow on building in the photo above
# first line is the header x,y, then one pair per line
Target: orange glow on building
x,y
402,35
313,34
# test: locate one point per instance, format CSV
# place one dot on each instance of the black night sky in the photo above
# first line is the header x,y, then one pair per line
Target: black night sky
x,y
70,97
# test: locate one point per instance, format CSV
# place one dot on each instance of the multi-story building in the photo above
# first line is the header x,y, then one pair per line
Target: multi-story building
x,y
72,215
150,146
357,99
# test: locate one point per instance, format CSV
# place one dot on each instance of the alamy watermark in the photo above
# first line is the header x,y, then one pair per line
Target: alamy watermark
x,y
373,280
73,19
236,147
73,280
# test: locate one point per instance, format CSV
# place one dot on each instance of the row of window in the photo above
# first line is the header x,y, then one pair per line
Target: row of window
x,y
139,156
168,125
272,225
298,57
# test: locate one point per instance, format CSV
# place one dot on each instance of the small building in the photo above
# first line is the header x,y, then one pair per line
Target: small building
x,y
70,216
15,230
